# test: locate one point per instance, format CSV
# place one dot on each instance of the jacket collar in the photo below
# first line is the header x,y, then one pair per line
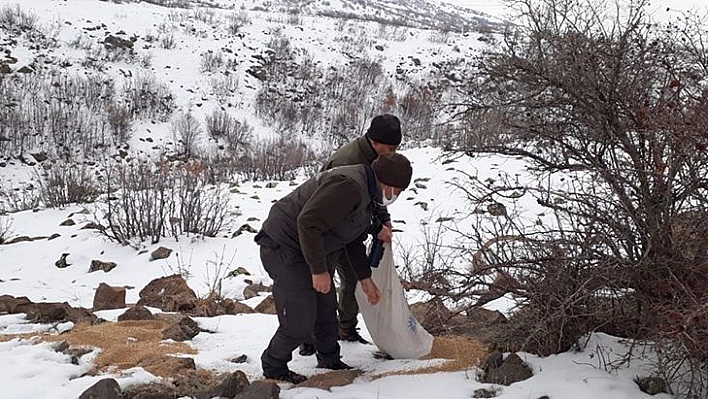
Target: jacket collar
x,y
366,148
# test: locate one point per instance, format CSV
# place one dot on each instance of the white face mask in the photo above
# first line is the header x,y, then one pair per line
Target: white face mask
x,y
388,201
385,201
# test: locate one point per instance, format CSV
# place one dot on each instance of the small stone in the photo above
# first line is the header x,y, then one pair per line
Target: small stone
x,y
239,359
62,263
160,253
107,388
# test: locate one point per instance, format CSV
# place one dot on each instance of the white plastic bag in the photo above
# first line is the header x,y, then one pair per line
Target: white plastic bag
x,y
391,323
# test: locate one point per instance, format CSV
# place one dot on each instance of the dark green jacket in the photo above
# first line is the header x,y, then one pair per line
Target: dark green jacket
x,y
357,152
331,211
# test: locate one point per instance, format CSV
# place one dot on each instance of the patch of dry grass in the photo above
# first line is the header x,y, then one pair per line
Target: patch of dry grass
x,y
124,344
463,353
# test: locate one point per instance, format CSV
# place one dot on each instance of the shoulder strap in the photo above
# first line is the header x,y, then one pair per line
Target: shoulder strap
x,y
371,182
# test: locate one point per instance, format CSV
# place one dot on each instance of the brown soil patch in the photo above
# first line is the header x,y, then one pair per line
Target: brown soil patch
x,y
125,344
10,337
331,379
463,353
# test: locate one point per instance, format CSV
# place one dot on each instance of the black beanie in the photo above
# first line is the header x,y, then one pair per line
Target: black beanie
x,y
393,170
385,129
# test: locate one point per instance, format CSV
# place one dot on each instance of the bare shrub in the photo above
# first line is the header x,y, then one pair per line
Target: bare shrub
x,y
216,270
438,36
19,199
5,228
64,184
201,210
211,61
167,41
236,21
223,126
170,3
393,32
221,167
224,86
418,109
619,113
278,159
186,130
149,203
61,114
148,98
141,208
206,15
120,121
82,42
294,17
14,17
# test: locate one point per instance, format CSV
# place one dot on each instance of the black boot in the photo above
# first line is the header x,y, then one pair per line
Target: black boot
x,y
307,349
336,365
289,376
351,335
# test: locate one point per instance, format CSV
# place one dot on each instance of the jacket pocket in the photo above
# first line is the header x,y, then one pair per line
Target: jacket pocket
x,y
264,240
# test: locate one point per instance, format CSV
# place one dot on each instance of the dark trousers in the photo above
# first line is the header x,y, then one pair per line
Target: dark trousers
x,y
303,313
347,307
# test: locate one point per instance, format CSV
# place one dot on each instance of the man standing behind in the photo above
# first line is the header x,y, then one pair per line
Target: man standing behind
x,y
382,137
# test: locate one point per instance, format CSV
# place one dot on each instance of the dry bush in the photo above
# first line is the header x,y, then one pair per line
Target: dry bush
x,y
167,41
211,61
147,98
120,121
202,209
619,113
223,126
64,184
278,159
14,17
236,21
65,116
171,3
205,15
221,167
5,228
19,199
137,203
224,85
148,203
186,130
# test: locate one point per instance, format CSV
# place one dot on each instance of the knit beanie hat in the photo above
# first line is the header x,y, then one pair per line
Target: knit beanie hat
x,y
393,170
385,129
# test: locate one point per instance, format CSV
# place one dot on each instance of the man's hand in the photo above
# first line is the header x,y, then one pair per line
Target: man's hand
x,y
385,233
373,295
322,282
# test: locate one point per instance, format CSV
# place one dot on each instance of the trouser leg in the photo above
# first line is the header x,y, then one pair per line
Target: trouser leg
x,y
347,306
325,332
296,303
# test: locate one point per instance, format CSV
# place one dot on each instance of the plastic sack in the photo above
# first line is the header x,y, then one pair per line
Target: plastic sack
x,y
391,324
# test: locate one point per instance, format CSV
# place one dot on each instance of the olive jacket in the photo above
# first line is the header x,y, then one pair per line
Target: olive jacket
x,y
357,152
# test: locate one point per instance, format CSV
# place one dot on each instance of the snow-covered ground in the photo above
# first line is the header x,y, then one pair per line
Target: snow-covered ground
x,y
36,371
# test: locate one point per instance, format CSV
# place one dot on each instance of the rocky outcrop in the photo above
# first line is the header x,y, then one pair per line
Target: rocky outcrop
x,y
171,294
97,265
107,297
505,371
160,253
137,312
